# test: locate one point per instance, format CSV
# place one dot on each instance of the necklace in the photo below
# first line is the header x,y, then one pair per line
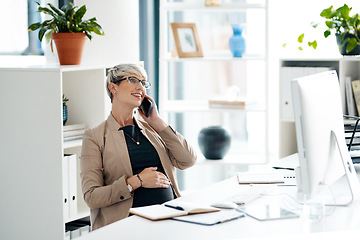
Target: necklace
x,y
137,142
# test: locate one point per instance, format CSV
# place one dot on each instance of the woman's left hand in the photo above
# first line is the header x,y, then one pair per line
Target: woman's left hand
x,y
154,118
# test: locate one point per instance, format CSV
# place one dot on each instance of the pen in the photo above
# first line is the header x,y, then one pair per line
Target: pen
x,y
284,168
175,207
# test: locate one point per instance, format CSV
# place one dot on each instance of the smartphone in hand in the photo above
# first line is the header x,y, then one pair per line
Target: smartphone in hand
x,y
146,107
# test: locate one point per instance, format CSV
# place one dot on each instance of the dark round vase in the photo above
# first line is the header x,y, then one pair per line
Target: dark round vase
x,y
214,142
342,46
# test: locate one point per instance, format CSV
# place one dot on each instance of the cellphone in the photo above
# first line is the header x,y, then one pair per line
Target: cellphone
x,y
146,107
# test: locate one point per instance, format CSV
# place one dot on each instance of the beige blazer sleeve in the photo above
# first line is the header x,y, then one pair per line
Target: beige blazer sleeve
x,y
97,194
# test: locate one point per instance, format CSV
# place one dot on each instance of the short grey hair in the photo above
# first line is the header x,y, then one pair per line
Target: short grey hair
x,y
121,70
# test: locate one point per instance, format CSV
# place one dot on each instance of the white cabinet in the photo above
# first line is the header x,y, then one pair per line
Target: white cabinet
x,y
187,84
292,68
32,147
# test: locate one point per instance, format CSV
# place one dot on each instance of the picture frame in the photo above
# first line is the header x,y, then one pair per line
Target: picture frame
x,y
186,40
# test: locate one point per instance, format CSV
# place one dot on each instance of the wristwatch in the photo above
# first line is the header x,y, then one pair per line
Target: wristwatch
x,y
130,187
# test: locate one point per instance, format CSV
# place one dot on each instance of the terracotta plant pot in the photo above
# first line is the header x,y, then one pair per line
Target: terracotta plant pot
x,y
69,47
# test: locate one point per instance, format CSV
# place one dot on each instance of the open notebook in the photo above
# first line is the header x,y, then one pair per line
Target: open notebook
x,y
171,209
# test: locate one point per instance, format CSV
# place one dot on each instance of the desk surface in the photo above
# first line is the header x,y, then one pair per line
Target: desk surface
x,y
339,221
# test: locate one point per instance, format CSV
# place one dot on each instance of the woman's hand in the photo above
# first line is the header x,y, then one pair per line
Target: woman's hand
x,y
154,118
153,179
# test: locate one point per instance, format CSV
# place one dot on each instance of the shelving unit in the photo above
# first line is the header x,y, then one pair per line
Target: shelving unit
x,y
345,66
187,84
32,144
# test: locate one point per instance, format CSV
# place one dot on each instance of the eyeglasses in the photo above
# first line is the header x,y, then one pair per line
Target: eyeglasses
x,y
135,80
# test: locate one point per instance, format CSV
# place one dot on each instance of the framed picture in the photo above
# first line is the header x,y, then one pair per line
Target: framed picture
x,y
186,40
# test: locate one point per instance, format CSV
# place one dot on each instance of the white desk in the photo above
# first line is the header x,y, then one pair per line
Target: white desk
x,y
342,223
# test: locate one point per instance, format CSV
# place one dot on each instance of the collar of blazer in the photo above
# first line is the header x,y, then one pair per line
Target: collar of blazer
x,y
114,125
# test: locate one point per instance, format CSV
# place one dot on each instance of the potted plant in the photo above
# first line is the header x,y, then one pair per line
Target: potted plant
x,y
68,30
345,27
65,110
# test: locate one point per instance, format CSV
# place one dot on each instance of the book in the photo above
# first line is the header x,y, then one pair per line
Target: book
x,y
260,178
66,139
171,209
351,107
72,133
356,91
73,127
236,104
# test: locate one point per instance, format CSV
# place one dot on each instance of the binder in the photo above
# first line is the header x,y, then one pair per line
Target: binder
x,y
65,181
72,185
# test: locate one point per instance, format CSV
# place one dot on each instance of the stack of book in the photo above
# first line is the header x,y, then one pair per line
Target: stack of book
x,y
73,132
218,103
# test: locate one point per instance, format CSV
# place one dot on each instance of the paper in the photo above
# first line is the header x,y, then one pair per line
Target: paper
x,y
260,178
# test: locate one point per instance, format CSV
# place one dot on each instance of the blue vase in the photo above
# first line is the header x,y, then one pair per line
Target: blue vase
x,y
237,42
65,114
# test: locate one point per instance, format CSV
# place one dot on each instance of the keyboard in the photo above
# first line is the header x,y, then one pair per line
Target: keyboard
x,y
249,193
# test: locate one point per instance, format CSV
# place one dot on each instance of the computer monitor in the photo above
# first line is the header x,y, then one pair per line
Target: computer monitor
x,y
323,155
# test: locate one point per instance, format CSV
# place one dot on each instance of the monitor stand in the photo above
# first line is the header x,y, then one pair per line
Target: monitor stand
x,y
350,174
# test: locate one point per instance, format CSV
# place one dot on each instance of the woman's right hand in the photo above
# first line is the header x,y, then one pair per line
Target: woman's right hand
x,y
153,179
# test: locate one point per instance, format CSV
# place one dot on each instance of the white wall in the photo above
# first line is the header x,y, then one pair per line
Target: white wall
x,y
120,22
287,20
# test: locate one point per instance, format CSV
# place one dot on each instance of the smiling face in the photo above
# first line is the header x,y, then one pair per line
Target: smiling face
x,y
127,92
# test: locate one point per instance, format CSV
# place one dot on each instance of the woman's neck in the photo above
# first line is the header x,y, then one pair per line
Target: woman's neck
x,y
123,118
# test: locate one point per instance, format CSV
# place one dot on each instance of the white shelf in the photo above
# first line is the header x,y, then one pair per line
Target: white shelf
x,y
177,74
40,139
213,58
346,66
203,106
178,6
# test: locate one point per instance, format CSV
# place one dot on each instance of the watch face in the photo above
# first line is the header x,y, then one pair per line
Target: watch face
x,y
129,187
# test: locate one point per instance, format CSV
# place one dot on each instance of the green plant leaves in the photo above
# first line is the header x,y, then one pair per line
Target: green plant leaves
x,y
313,44
327,12
327,33
301,38
64,20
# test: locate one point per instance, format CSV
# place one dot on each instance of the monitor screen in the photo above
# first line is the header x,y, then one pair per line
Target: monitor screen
x,y
320,135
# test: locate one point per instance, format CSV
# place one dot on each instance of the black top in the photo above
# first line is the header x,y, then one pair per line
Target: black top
x,y
143,156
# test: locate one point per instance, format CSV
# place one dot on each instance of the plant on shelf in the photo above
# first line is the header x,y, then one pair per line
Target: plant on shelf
x,y
65,23
346,28
65,110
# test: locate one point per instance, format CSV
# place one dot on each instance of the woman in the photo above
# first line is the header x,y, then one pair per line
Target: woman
x,y
127,162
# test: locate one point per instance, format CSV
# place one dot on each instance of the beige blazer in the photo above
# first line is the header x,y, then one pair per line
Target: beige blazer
x,y
105,165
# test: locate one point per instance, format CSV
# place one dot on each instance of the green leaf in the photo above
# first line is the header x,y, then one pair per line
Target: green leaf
x,y
34,26
301,38
314,25
46,11
352,43
284,45
327,33
300,48
313,44
48,36
327,12
56,10
79,14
